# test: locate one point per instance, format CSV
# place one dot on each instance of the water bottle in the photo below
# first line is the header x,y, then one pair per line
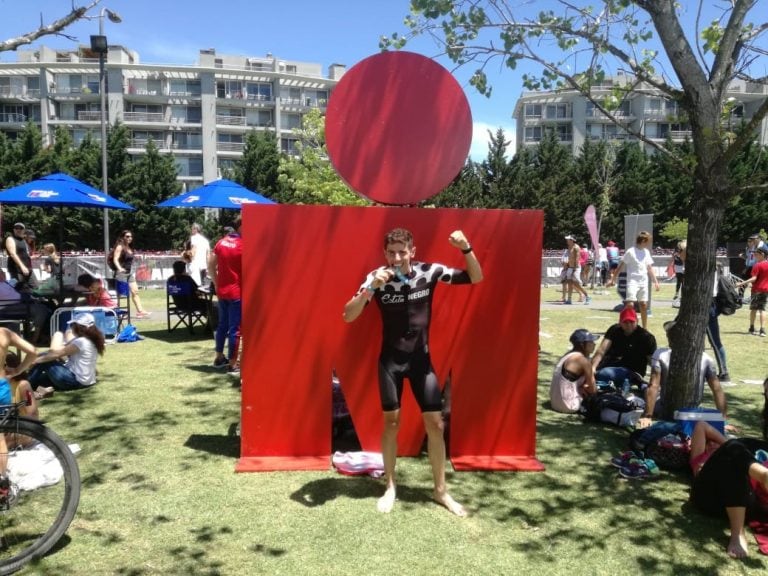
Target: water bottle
x,y
625,388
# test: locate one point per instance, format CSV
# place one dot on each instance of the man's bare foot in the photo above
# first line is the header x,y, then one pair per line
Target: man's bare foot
x,y
454,507
386,502
737,546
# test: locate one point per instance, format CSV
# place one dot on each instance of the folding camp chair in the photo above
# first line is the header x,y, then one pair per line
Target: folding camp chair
x,y
182,303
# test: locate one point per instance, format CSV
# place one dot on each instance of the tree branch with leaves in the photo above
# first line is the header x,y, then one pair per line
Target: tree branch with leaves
x,y
649,39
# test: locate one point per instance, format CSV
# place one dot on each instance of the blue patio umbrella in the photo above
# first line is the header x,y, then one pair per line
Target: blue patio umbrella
x,y
221,193
63,191
60,190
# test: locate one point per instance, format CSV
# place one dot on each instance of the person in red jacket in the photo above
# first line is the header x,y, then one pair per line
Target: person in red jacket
x,y
225,271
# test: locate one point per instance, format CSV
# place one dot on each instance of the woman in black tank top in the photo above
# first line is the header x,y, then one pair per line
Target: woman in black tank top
x,y
123,261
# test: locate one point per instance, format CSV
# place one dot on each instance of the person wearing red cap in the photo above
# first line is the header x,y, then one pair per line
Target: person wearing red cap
x,y
625,351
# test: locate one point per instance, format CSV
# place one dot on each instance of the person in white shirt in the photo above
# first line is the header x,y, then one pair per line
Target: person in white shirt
x,y
639,265
199,247
81,346
655,392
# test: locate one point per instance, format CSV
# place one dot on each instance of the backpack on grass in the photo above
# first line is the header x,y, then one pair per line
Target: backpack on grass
x,y
612,408
664,443
728,298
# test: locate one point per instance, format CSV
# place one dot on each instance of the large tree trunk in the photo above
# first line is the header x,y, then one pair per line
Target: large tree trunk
x,y
687,338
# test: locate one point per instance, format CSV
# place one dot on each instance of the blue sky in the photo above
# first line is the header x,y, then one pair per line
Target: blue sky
x,y
334,31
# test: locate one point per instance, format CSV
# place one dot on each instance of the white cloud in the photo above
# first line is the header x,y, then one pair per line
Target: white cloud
x,y
480,139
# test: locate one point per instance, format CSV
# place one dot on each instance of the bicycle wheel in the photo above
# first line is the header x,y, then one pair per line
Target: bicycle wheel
x,y
32,521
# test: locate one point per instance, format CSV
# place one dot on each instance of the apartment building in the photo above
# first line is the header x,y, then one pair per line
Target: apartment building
x,y
646,111
199,113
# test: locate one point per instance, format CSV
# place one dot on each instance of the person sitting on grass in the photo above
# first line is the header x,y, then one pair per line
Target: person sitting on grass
x,y
657,386
625,351
97,294
573,378
724,472
82,345
21,389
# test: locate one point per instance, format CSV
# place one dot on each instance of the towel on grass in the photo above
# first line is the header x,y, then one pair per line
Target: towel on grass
x,y
359,463
35,467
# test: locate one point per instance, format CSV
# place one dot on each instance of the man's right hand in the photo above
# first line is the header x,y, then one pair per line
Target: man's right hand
x,y
381,277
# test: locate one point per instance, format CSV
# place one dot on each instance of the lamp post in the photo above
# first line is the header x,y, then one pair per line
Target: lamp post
x,y
101,47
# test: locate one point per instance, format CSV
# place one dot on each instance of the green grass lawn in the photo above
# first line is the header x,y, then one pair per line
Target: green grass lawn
x,y
160,496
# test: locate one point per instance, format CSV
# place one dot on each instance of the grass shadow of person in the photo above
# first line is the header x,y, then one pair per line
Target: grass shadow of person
x,y
318,492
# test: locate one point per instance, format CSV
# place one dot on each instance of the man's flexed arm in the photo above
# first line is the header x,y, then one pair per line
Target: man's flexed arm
x,y
458,240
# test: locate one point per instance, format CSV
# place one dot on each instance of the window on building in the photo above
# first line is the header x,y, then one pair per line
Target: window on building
x,y
187,140
33,85
229,89
14,113
654,105
260,118
180,87
288,145
561,110
533,110
563,132
290,121
190,167
189,114
259,91
533,133
230,138
227,165
290,69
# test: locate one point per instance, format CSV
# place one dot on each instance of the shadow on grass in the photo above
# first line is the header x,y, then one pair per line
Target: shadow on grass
x,y
179,335
218,445
580,498
318,492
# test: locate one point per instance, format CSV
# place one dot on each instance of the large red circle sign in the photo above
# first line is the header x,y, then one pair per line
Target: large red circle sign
x,y
398,128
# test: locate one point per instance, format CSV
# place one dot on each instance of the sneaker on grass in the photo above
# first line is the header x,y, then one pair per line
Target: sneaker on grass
x,y
642,470
220,362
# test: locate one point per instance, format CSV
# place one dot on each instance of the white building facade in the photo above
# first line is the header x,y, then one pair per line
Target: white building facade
x,y
200,113
575,119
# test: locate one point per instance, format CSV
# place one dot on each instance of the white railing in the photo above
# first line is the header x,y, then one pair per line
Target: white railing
x,y
186,145
229,146
143,117
231,120
12,118
85,90
89,115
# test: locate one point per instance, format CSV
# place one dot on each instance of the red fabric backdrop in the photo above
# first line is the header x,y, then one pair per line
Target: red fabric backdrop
x,y
301,265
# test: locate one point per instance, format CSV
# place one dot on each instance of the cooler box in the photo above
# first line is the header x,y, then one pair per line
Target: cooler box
x,y
689,416
106,319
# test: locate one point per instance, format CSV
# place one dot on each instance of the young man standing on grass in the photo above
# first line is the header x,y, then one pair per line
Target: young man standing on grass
x,y
225,264
403,290
759,281
573,273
